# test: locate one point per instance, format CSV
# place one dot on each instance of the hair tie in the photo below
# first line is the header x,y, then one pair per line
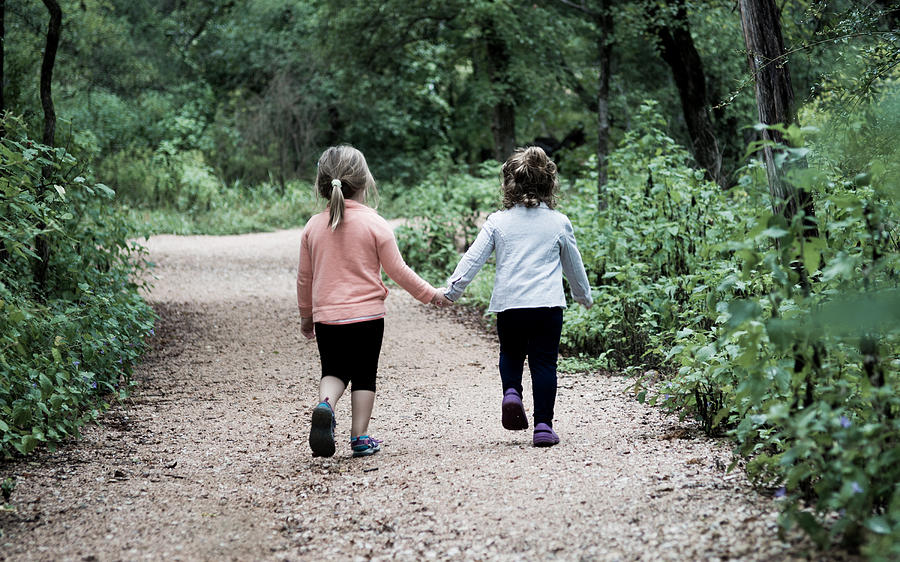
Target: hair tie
x,y
335,183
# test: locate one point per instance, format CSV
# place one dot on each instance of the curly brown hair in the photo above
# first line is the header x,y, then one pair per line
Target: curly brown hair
x,y
529,178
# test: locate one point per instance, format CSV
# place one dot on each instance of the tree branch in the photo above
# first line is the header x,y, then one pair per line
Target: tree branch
x,y
580,7
201,27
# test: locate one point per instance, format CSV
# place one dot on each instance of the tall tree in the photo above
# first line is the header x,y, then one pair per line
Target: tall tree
x,y
42,246
602,19
774,98
676,47
2,50
53,31
503,111
604,23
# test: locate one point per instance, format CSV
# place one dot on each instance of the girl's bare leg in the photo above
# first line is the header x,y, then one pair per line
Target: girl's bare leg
x,y
361,403
331,388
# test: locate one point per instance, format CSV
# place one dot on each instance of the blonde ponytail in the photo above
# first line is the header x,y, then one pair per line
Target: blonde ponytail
x,y
336,208
343,174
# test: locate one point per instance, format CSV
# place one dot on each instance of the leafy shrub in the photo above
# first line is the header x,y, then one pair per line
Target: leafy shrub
x,y
68,338
235,209
806,345
651,255
166,178
445,212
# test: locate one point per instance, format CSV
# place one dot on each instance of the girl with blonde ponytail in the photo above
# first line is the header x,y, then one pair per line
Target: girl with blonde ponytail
x,y
341,296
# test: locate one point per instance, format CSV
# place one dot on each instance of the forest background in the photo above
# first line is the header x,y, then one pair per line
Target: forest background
x,y
737,214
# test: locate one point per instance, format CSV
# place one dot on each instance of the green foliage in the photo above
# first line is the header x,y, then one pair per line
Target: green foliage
x,y
235,209
444,212
805,350
9,484
651,254
581,363
69,344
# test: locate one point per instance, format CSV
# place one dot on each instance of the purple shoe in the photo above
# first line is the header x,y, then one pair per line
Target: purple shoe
x,y
513,411
544,436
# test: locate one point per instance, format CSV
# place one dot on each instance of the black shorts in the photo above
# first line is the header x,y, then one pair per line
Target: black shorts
x,y
350,351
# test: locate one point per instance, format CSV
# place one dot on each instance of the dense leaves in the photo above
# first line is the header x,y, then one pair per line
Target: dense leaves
x,y
69,345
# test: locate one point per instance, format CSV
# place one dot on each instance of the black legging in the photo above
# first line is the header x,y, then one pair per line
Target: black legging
x,y
350,351
531,332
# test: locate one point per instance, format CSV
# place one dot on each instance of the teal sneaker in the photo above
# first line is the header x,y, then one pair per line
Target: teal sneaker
x,y
364,445
321,432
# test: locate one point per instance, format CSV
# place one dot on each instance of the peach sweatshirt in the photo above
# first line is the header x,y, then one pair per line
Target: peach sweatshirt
x,y
339,277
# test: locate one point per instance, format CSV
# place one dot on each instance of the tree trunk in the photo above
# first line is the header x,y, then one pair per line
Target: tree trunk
x,y
2,51
4,255
49,60
503,126
774,99
503,114
604,23
42,246
677,48
891,11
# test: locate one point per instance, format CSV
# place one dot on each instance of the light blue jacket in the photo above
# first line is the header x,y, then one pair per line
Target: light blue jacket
x,y
534,246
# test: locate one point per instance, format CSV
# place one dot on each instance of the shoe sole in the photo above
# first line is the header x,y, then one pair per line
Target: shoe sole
x,y
514,418
545,442
545,439
321,434
366,453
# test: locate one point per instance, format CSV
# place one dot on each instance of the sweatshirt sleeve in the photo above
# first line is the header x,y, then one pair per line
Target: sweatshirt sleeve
x,y
393,264
573,267
471,263
304,277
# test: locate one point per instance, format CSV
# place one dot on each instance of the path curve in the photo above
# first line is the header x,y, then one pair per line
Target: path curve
x,y
208,460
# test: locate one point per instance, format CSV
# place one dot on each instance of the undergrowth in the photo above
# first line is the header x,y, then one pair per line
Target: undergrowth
x,y
72,322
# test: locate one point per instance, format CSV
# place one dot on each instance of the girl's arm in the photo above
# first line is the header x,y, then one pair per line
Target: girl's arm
x,y
573,267
393,264
471,263
304,288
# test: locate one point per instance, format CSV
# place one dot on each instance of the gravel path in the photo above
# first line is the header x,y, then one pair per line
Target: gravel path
x,y
209,461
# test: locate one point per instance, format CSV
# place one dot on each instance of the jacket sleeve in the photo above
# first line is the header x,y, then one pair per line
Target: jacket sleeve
x,y
304,277
573,267
472,262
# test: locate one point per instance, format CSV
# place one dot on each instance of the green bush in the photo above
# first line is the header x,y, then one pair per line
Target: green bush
x,y
444,214
234,210
804,354
166,178
652,254
70,337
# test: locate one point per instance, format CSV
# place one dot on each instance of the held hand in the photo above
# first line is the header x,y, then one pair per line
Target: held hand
x,y
440,300
307,328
